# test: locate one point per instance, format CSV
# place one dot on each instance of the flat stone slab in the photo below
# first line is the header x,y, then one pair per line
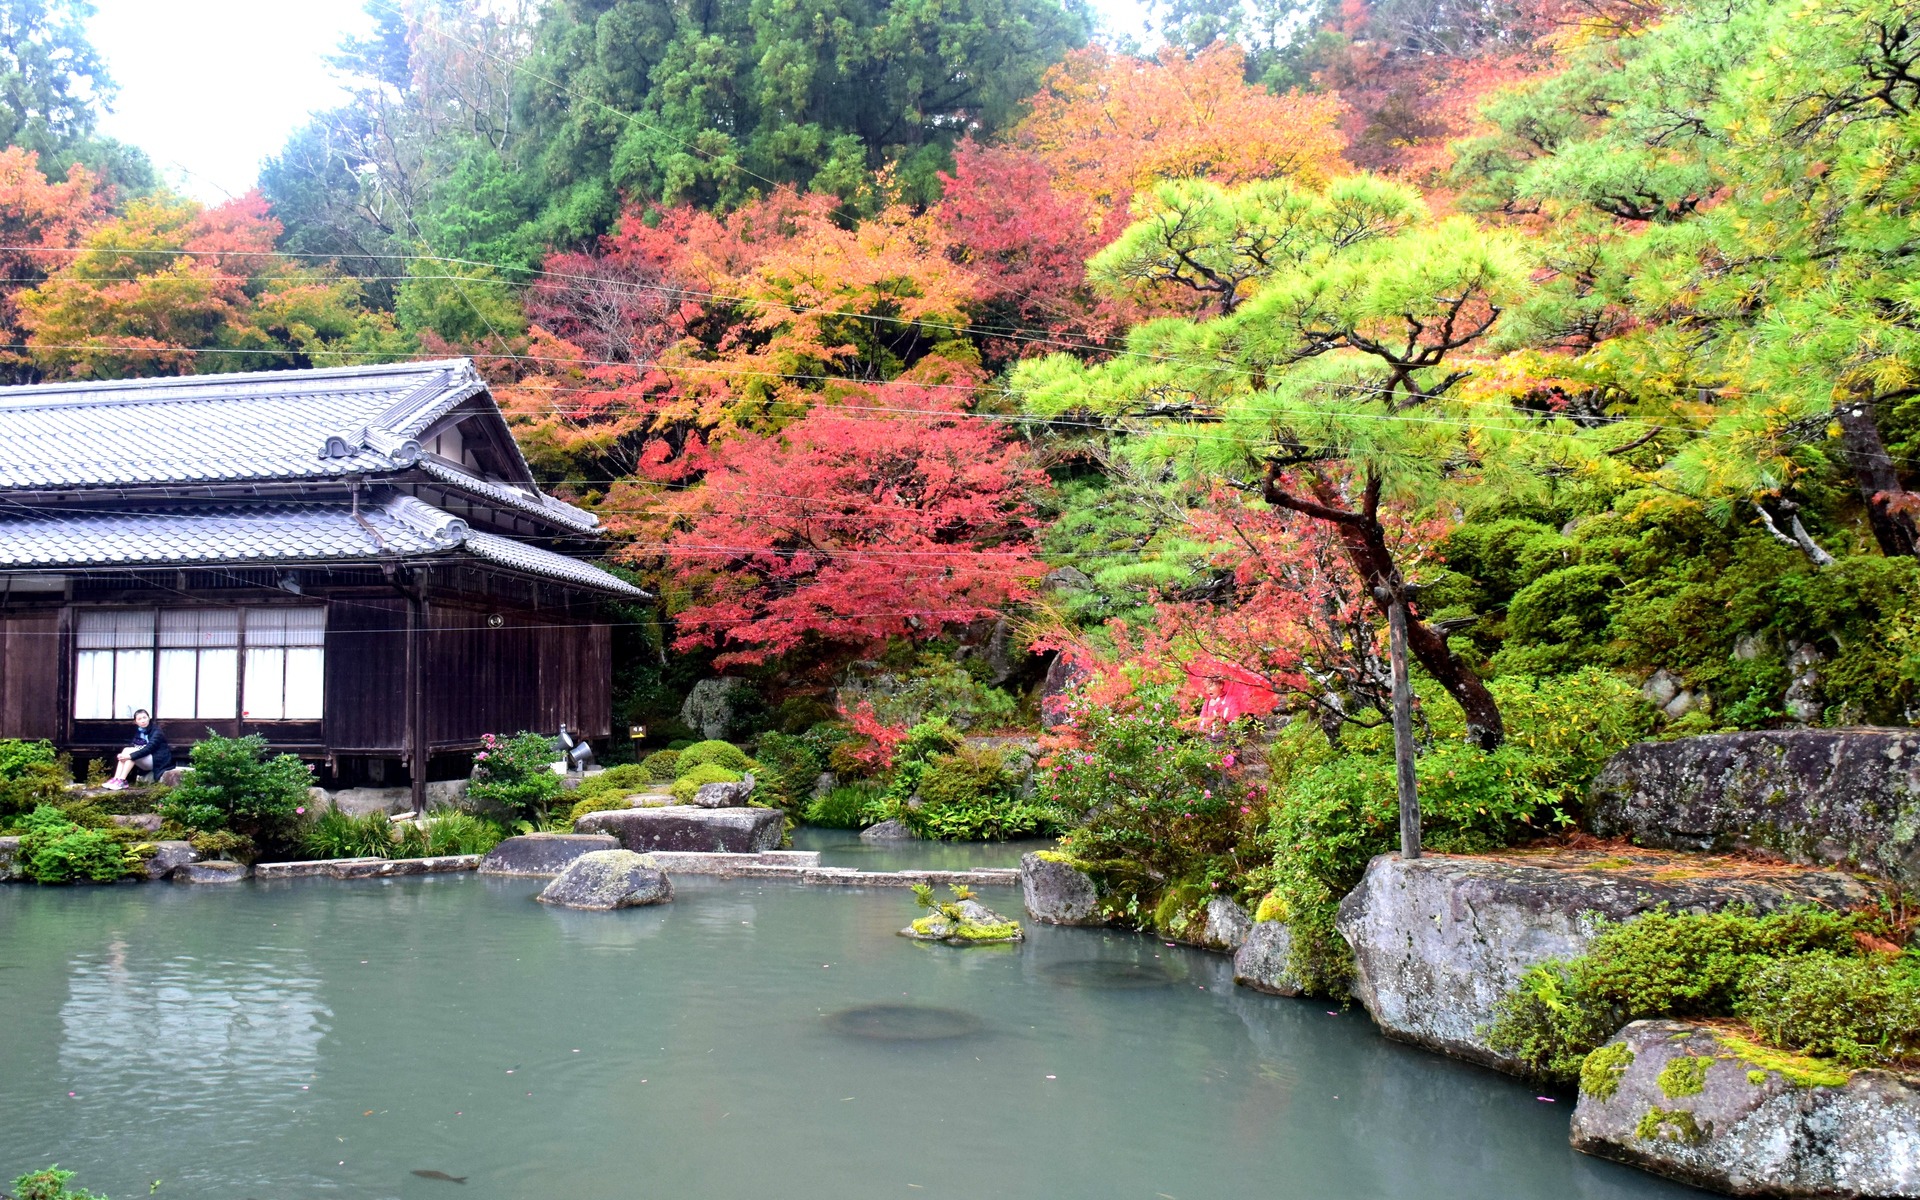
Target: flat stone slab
x,y
212,871
542,855
1438,942
684,827
366,868
602,880
1680,1100
1822,796
688,862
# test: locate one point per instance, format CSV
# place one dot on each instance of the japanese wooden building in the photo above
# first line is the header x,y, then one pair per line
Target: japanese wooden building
x,y
355,563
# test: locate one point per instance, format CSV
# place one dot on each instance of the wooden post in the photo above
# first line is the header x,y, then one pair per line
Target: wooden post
x,y
417,752
1396,601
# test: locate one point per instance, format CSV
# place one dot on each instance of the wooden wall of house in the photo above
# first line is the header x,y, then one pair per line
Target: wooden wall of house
x,y
31,681
532,671
366,706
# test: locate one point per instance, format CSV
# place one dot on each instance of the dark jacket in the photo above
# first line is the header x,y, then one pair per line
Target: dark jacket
x,y
150,741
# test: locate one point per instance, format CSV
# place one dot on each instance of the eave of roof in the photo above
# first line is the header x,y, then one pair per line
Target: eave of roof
x,y
254,427
390,527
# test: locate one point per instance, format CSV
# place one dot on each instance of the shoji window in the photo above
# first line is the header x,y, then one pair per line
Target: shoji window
x,y
114,674
186,663
285,663
199,663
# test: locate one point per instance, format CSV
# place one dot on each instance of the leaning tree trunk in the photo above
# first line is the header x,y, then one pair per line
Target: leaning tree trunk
x,y
1874,475
1364,540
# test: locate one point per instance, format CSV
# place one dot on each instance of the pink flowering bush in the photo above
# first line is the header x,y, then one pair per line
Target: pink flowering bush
x,y
516,774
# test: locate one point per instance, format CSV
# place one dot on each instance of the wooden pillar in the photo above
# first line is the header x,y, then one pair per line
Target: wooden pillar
x,y
417,746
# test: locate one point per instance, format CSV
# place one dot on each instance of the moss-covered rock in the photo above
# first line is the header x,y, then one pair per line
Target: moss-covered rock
x,y
1057,891
1710,1108
975,925
1842,796
608,879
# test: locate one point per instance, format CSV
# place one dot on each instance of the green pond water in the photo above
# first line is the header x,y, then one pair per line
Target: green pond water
x,y
751,1039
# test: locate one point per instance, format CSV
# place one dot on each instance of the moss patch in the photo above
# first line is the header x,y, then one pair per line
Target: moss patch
x,y
1669,1125
1800,1070
1600,1074
1684,1076
1273,907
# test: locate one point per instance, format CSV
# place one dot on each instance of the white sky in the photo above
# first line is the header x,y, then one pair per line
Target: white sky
x,y
209,88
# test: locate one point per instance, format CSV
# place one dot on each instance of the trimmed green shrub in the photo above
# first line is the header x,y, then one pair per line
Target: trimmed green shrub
x,y
31,774
604,802
848,806
53,849
235,785
1858,1011
659,765
785,769
516,774
623,780
967,795
700,754
1659,965
334,834
694,779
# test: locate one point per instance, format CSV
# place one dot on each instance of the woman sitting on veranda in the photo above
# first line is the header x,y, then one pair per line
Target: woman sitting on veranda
x,y
149,751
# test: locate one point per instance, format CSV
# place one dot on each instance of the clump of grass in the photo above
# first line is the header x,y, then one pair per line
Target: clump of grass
x,y
334,834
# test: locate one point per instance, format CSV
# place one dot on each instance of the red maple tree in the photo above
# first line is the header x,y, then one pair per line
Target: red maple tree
x,y
896,515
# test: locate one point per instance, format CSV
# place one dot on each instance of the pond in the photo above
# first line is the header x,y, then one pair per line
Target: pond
x,y
752,1039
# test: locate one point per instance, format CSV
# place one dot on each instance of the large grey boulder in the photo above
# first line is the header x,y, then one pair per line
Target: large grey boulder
x,y
894,830
1684,1101
608,879
1226,925
724,795
217,870
10,865
543,855
709,706
359,801
166,856
1056,892
1839,796
1264,961
684,827
1439,941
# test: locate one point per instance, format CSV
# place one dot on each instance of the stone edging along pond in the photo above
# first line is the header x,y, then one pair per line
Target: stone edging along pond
x,y
1438,942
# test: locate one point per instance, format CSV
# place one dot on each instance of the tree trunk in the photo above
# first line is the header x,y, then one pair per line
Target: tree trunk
x,y
1404,779
1874,475
1365,541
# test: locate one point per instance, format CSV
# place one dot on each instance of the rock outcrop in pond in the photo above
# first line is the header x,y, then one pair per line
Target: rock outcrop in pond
x,y
964,923
1057,892
1698,1105
1264,961
685,827
1439,941
1826,796
543,854
608,879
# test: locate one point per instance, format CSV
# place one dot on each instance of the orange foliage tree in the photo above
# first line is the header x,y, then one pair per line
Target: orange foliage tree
x,y
1111,124
39,219
170,287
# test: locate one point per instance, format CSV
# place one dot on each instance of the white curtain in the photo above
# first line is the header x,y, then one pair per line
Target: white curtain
x,y
114,672
285,667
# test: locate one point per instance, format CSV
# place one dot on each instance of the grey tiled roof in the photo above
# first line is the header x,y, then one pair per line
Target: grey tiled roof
x,y
262,426
254,534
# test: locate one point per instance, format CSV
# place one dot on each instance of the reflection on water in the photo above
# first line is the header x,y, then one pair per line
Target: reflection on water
x,y
1111,973
904,1022
843,848
239,1030
317,1040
